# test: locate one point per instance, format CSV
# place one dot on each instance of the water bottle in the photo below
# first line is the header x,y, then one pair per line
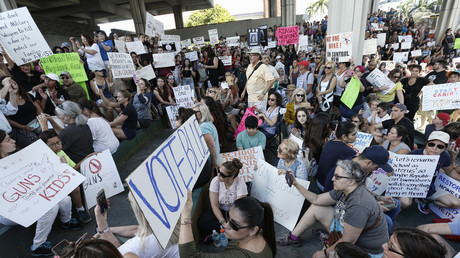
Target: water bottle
x,y
216,238
223,238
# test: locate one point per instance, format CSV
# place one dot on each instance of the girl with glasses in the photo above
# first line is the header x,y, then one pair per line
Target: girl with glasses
x,y
270,117
412,242
298,97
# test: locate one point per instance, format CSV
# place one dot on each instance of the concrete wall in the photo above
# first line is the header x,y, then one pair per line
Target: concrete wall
x,y
227,29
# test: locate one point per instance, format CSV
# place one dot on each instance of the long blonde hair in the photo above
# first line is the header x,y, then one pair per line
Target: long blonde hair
x,y
295,93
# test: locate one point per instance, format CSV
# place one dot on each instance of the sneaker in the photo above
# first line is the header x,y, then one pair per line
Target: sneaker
x,y
422,206
286,240
84,216
43,250
73,224
321,234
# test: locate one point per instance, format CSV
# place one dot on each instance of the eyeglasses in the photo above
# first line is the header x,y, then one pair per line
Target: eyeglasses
x,y
233,225
55,144
328,67
439,146
272,99
64,77
340,177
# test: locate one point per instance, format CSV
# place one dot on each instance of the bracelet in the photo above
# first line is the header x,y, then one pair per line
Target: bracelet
x,y
185,222
104,231
222,221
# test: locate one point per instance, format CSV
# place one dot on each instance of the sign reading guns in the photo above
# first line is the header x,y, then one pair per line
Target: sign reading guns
x,y
160,183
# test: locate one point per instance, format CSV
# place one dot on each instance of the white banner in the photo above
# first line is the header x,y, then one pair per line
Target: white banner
x,y
233,41
248,157
122,65
136,47
21,37
184,95
172,112
120,45
378,79
271,44
381,39
399,57
153,27
227,60
163,60
160,183
339,47
186,43
213,36
303,42
441,96
192,56
363,141
33,180
370,47
272,188
451,185
101,173
417,52
198,41
146,72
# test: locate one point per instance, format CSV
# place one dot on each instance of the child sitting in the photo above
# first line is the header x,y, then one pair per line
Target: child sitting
x,y
251,137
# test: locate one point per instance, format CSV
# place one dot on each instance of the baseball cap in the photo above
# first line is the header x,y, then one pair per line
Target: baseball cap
x,y
439,135
65,44
400,106
224,85
453,72
379,155
65,73
53,76
444,117
278,57
304,63
361,68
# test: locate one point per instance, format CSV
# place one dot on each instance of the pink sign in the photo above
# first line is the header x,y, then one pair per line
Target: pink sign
x,y
241,126
288,35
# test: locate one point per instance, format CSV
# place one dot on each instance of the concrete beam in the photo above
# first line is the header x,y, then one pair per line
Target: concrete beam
x,y
178,19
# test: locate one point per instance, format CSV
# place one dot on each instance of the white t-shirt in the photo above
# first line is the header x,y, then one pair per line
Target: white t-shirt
x,y
94,61
228,196
103,137
303,80
379,120
149,248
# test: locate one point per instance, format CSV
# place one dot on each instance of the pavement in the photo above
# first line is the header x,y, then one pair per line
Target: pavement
x,y
120,212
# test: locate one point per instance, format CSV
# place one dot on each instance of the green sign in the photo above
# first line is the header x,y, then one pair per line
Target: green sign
x,y
69,62
351,93
457,43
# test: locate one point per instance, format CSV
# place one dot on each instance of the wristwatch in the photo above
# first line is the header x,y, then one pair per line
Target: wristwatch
x,y
104,231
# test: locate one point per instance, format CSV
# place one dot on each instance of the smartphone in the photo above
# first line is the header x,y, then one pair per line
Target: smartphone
x,y
289,178
390,206
102,201
34,125
134,77
60,247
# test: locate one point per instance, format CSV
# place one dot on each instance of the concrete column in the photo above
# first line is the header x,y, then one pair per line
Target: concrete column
x,y
349,16
288,13
178,16
373,6
449,17
6,5
138,12
271,8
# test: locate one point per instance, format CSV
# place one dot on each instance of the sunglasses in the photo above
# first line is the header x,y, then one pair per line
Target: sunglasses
x,y
300,95
272,99
222,174
171,78
233,225
328,67
212,91
439,146
64,77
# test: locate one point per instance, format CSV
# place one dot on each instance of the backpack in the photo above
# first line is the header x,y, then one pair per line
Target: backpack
x,y
220,68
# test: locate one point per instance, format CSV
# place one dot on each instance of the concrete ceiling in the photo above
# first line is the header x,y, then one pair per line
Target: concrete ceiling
x,y
101,11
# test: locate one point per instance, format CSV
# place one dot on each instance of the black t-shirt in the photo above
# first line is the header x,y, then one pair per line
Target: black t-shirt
x,y
26,112
26,82
387,124
411,91
77,141
437,78
62,95
130,111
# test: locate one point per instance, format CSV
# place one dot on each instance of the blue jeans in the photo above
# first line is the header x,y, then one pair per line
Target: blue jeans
x,y
391,215
188,81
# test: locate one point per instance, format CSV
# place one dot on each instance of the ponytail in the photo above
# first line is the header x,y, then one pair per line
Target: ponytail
x,y
268,229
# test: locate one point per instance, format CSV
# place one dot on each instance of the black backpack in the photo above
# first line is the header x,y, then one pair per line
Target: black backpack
x,y
220,68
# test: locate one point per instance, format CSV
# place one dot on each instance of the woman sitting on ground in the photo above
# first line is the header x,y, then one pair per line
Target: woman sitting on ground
x,y
141,101
128,117
397,140
288,160
161,92
270,118
302,121
103,85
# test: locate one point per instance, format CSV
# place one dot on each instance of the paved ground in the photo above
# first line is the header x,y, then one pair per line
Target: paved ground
x,y
121,214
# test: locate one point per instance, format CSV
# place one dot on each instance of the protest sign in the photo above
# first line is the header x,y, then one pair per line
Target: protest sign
x,y
399,57
122,65
233,41
412,175
226,60
241,126
407,38
299,142
213,36
377,182
271,44
376,26
69,62
370,47
263,35
120,45
253,37
33,181
351,93
198,41
163,60
378,79
248,158
192,56
417,52
457,43
272,188
184,96
153,27
390,65
160,183
339,47
395,46
287,35
172,113
362,141
452,186
146,72
171,43
101,173
405,45
381,39
21,37
455,61
186,43
136,47
303,43
441,97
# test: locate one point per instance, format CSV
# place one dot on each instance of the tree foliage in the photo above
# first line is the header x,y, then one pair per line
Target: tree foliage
x,y
410,7
319,6
218,14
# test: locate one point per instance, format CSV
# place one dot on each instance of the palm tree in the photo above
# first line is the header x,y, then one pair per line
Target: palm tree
x,y
320,6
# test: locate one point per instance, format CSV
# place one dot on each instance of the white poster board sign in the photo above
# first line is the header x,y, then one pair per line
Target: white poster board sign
x,y
390,65
186,43
362,141
146,72
395,46
198,41
171,42
184,95
122,65
272,188
451,185
226,60
101,173
339,47
370,47
271,44
163,60
192,56
381,39
213,36
303,42
399,57
299,142
378,79
375,26
248,158
136,47
172,112
407,38
417,52
233,41
120,45
406,45
160,183
377,182
33,180
21,37
441,96
412,175
153,27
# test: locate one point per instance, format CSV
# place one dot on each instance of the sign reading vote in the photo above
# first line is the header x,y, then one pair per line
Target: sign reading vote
x,y
272,188
248,158
451,185
32,181
101,173
339,47
69,62
287,35
122,65
160,183
21,37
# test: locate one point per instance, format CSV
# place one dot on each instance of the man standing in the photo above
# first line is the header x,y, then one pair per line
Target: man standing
x,y
260,80
305,79
75,91
397,118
